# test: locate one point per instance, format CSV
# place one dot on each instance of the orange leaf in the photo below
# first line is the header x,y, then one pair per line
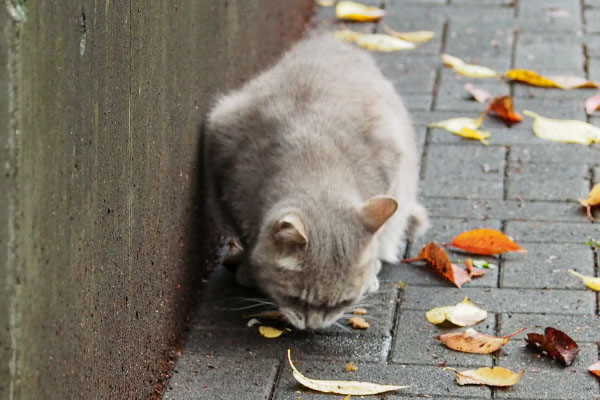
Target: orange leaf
x,y
503,106
595,369
439,260
471,341
485,242
473,272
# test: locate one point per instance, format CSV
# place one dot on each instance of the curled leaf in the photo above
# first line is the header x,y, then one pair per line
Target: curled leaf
x,y
590,281
473,272
374,41
462,126
359,311
351,367
503,107
592,104
562,82
413,37
566,131
592,200
485,241
468,70
496,376
555,344
595,369
471,341
480,95
270,332
464,313
359,323
352,11
341,387
437,257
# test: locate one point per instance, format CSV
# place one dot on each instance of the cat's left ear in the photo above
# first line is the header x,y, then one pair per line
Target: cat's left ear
x,y
290,229
377,210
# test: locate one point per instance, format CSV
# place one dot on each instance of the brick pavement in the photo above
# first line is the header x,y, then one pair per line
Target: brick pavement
x,y
519,183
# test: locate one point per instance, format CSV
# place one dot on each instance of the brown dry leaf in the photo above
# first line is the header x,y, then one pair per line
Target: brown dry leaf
x,y
592,104
555,344
503,107
359,323
352,11
592,200
480,95
485,241
496,376
359,311
351,367
595,369
341,387
471,341
464,313
437,257
562,82
413,37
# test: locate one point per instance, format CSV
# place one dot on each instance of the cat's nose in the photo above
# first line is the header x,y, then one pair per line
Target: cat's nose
x,y
314,319
297,319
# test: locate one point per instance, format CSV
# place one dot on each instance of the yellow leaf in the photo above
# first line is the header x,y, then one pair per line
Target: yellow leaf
x,y
469,133
475,71
562,130
465,127
341,387
471,341
352,11
496,376
374,41
452,61
413,37
269,331
464,313
562,82
351,367
590,281
592,200
324,3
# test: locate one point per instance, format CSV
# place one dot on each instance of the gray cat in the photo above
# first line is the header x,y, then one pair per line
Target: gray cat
x,y
314,165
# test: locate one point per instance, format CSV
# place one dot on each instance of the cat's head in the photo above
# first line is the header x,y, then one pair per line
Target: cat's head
x,y
317,261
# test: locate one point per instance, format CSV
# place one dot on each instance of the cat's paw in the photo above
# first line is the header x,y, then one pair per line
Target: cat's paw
x,y
373,285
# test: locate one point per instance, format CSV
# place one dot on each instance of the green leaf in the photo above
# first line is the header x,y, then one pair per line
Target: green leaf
x,y
483,264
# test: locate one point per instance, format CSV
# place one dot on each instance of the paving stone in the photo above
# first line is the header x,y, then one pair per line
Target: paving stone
x,y
594,68
198,377
451,94
581,328
592,43
503,210
502,300
420,16
547,181
416,343
409,75
592,21
548,106
488,43
484,3
449,172
535,15
552,232
592,3
418,102
545,378
545,265
552,152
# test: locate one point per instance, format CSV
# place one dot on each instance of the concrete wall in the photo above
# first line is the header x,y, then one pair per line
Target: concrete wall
x,y
102,235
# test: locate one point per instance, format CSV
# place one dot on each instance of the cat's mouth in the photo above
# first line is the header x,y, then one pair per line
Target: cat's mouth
x,y
312,318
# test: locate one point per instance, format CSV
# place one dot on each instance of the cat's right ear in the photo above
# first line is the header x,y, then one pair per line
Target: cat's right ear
x,y
377,210
290,230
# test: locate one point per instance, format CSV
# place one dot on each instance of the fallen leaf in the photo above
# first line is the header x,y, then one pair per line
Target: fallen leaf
x,y
341,387
480,95
590,281
485,241
325,3
483,264
352,11
592,104
464,313
468,70
503,107
252,322
374,41
563,130
413,37
471,341
462,126
595,369
270,332
359,311
472,272
437,257
592,200
496,376
561,82
359,323
351,367
555,344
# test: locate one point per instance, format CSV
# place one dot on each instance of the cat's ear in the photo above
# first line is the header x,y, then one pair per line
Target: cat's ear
x,y
377,210
290,229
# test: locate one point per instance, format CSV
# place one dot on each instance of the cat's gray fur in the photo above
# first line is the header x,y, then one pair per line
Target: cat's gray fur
x,y
314,164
